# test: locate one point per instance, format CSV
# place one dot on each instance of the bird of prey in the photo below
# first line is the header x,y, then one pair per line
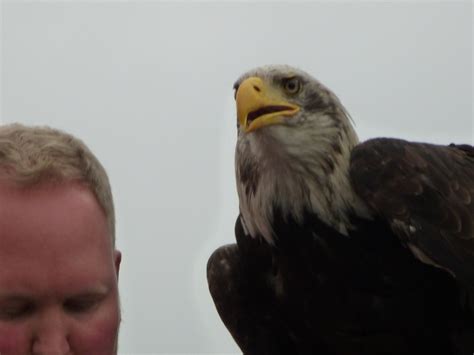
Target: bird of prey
x,y
343,248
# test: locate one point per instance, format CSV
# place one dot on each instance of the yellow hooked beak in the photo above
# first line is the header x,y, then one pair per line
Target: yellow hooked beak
x,y
259,105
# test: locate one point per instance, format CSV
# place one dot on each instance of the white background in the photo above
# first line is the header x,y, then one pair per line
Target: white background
x,y
148,86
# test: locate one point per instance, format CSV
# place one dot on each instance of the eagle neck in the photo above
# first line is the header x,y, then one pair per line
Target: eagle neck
x,y
306,175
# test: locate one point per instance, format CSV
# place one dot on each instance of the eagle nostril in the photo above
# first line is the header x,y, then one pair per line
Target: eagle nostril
x,y
256,88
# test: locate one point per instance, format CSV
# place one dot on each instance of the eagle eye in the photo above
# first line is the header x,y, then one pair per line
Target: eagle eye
x,y
292,85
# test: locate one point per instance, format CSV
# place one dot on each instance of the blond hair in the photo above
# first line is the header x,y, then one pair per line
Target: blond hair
x,y
31,155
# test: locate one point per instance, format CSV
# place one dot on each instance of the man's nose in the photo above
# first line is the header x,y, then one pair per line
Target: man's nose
x,y
51,335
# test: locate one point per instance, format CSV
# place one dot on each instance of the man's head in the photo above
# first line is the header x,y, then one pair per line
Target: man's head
x,y
58,262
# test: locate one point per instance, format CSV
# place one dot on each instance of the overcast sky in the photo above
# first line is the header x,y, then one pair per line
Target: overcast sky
x,y
148,86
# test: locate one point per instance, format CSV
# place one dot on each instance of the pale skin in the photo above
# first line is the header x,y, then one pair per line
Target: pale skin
x,y
58,272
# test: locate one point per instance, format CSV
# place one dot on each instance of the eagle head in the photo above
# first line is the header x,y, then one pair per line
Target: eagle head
x,y
293,149
282,95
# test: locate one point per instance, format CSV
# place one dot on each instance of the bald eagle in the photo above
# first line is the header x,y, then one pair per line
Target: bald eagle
x,y
343,248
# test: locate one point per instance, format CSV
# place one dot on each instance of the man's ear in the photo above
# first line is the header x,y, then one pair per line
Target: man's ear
x,y
117,261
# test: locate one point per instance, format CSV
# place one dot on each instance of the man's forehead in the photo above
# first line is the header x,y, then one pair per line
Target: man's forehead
x,y
68,211
53,236
10,183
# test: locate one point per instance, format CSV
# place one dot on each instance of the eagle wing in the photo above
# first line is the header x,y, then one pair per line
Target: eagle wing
x,y
426,193
238,276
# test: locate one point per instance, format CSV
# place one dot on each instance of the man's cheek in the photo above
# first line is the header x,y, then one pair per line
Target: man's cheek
x,y
13,340
98,336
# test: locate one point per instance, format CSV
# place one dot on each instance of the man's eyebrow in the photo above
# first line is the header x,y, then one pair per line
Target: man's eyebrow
x,y
7,296
25,296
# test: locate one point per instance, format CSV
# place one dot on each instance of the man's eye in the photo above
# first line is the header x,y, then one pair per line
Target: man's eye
x,y
82,304
14,310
